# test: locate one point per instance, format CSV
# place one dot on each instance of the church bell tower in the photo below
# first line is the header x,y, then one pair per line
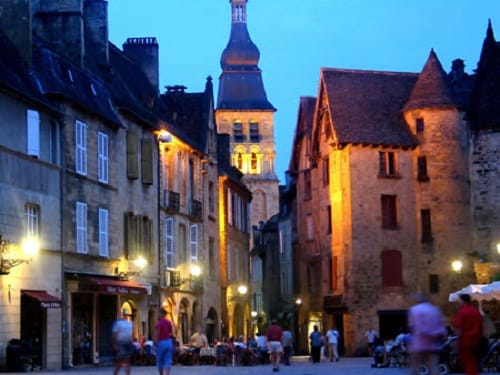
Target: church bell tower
x,y
244,113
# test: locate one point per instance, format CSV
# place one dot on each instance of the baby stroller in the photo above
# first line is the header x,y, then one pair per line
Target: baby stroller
x,y
379,356
447,358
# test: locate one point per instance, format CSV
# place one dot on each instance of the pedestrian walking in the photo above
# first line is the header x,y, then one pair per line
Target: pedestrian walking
x,y
316,340
468,325
274,335
122,343
371,335
332,336
287,346
427,329
164,341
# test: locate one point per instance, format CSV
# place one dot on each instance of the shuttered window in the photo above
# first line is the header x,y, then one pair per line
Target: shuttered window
x,y
81,228
102,157
392,274
33,133
132,156
147,161
81,147
169,242
103,232
193,243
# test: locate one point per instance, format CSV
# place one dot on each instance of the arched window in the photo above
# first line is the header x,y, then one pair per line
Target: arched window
x,y
253,163
239,161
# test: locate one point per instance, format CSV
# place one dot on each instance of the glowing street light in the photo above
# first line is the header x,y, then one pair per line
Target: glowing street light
x,y
457,265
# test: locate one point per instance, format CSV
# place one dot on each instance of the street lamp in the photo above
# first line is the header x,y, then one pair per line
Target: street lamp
x,y
140,263
242,289
30,247
457,265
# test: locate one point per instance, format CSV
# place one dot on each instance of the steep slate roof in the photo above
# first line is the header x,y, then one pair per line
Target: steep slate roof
x,y
366,106
189,114
14,75
432,88
58,77
484,111
130,88
303,128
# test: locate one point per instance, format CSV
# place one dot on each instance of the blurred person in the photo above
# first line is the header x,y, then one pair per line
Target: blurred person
x,y
286,341
332,336
262,350
316,340
371,335
164,341
274,335
122,343
198,340
468,326
427,329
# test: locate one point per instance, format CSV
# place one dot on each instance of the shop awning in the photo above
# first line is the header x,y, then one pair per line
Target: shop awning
x,y
117,286
46,300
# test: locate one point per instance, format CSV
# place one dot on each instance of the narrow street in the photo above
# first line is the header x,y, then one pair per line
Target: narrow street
x,y
300,366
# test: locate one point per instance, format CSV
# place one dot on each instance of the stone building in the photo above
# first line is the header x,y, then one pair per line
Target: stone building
x,y
396,168
189,212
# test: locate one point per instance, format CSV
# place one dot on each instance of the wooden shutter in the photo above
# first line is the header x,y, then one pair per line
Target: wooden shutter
x,y
147,160
132,156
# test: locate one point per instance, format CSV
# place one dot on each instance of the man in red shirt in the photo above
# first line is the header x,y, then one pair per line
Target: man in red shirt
x,y
274,334
469,326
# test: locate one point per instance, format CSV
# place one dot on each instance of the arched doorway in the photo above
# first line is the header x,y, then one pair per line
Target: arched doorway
x,y
183,321
195,317
211,325
238,321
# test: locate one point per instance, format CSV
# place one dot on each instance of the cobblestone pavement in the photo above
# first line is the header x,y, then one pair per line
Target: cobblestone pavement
x,y
300,366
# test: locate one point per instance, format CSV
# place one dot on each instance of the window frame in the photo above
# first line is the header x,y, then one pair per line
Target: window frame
x,y
81,228
32,220
103,157
103,232
81,147
389,211
33,133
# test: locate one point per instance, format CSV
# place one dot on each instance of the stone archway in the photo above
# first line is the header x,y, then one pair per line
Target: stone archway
x,y
211,325
184,321
238,321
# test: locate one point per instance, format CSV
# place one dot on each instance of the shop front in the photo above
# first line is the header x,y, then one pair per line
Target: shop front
x,y
95,302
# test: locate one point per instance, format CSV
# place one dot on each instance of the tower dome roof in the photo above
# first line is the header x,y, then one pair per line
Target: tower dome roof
x,y
240,50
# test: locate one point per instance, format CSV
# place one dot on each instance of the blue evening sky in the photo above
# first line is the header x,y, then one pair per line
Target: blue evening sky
x,y
298,37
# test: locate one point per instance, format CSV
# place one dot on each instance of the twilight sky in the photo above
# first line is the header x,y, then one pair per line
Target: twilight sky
x,y
298,37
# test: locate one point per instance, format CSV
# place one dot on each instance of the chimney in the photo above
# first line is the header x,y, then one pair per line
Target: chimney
x,y
15,22
144,52
96,32
60,25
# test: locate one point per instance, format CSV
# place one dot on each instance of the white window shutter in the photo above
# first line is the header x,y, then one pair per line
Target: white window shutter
x,y
33,133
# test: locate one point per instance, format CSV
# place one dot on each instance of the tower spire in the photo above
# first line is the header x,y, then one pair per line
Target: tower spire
x,y
239,11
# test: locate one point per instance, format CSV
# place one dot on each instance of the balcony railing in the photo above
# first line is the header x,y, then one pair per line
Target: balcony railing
x,y
196,210
171,200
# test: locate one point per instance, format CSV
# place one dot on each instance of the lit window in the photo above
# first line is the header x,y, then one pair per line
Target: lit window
x,y
32,217
253,163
